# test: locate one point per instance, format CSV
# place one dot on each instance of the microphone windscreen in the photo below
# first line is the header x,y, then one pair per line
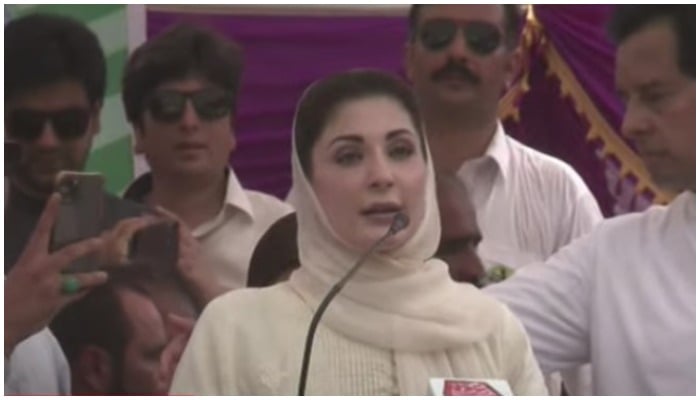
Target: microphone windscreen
x,y
399,223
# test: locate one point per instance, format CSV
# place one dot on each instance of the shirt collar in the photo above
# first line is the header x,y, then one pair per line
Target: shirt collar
x,y
235,194
499,150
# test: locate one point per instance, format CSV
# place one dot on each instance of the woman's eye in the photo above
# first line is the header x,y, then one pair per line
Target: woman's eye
x,y
348,158
401,152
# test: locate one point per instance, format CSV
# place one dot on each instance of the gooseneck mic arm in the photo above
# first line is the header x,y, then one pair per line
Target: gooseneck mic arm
x,y
399,223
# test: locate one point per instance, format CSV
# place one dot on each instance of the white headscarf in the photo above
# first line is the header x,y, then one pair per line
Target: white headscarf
x,y
403,301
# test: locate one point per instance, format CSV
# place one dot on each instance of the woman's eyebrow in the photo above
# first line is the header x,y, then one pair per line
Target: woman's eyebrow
x,y
355,138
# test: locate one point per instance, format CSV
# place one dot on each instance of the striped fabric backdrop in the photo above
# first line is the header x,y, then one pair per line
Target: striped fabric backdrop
x,y
111,151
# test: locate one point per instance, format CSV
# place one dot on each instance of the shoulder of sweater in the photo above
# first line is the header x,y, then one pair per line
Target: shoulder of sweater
x,y
491,308
240,304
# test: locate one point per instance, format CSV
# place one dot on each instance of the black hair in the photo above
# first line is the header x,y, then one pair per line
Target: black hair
x,y
99,318
182,51
629,19
324,97
42,50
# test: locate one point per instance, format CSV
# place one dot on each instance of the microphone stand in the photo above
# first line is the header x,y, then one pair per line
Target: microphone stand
x,y
399,223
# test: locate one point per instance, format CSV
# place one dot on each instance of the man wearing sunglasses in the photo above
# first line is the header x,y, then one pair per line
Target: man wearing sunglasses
x,y
460,59
180,92
55,80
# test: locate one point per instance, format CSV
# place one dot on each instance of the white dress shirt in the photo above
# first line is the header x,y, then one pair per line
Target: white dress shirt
x,y
621,298
228,239
528,204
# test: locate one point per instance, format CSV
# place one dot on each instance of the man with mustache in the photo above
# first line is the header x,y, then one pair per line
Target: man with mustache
x,y
460,59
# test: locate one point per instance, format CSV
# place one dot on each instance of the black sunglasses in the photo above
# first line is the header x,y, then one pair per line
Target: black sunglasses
x,y
483,38
169,105
25,124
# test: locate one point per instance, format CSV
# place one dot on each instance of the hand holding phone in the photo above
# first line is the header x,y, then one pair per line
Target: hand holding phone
x,y
157,245
79,215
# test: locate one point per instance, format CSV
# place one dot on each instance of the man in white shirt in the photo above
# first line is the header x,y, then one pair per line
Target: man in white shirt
x,y
180,93
528,204
623,297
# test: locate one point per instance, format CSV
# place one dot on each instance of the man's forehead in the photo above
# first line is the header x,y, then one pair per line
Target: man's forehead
x,y
187,83
647,56
51,97
141,312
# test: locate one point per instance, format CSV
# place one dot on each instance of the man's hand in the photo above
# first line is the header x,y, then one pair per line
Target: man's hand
x,y
34,287
200,281
115,250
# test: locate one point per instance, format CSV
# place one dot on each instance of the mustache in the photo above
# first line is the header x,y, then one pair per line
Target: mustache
x,y
453,68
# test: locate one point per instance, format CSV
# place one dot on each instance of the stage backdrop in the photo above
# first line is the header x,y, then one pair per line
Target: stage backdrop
x,y
564,105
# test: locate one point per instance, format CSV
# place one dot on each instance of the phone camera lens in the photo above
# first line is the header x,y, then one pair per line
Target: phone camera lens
x,y
68,188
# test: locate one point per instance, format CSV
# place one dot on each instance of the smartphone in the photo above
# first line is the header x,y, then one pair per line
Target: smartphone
x,y
158,246
80,213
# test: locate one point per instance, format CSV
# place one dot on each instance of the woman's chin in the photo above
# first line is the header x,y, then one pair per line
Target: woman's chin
x,y
391,243
363,239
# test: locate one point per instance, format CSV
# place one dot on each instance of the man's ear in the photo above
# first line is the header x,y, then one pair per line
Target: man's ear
x,y
138,138
94,370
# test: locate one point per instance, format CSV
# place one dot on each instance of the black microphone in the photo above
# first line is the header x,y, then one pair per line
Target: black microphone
x,y
399,223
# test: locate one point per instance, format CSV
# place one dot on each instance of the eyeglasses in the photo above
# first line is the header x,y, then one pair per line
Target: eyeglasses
x,y
26,124
169,105
483,38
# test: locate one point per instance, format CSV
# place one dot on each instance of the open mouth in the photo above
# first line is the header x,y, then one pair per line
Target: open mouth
x,y
381,210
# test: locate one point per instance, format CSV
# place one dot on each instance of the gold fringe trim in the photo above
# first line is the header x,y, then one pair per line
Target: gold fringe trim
x,y
613,145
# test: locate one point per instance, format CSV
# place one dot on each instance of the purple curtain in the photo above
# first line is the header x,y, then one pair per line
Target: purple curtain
x,y
284,54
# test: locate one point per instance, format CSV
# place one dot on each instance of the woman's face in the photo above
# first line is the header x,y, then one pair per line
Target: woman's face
x,y
367,166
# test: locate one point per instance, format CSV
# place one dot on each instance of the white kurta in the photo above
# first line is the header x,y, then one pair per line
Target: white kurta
x,y
622,298
250,342
528,205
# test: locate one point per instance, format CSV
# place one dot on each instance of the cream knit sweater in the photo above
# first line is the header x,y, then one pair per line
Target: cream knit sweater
x,y
237,348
